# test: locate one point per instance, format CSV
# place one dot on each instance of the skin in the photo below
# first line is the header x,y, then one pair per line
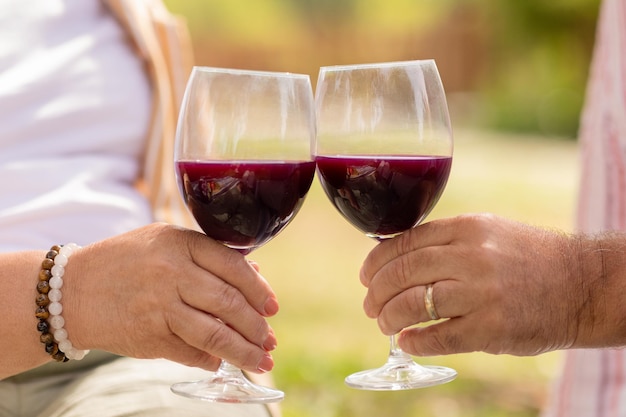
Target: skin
x,y
501,287
154,292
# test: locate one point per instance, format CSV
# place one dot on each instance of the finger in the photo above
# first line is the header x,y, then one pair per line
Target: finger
x,y
453,262
444,338
210,335
208,293
417,268
409,308
456,335
181,352
233,268
428,234
255,265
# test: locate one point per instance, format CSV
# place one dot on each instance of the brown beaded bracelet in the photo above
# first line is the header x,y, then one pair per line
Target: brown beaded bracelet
x,y
42,301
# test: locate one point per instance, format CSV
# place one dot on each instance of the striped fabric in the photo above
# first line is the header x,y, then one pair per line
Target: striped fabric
x,y
593,382
163,42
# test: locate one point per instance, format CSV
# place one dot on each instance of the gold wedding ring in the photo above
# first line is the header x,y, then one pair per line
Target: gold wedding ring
x,y
429,303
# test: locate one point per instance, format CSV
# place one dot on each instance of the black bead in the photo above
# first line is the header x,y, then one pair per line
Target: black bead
x,y
43,326
52,348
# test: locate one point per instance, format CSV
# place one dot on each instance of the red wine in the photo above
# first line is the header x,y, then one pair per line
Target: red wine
x,y
246,203
383,195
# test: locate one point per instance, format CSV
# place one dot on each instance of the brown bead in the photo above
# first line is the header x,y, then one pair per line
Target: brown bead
x,y
52,347
42,300
46,338
47,263
42,313
56,248
45,275
59,356
43,287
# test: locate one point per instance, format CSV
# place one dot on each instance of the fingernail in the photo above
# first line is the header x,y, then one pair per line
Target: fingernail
x,y
271,306
254,265
270,342
265,364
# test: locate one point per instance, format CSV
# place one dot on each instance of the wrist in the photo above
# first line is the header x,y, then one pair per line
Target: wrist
x,y
597,274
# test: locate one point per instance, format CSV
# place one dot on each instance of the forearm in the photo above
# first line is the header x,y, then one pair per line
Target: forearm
x,y
20,342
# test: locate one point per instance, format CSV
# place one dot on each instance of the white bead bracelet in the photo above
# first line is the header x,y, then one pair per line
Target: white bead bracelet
x,y
51,322
55,308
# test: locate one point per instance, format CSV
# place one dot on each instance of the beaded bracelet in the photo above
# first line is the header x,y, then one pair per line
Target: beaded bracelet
x,y
49,307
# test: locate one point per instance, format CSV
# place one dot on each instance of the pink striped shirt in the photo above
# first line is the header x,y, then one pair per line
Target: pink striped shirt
x,y
593,382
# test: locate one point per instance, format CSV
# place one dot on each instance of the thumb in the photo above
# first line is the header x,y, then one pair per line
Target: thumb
x,y
443,338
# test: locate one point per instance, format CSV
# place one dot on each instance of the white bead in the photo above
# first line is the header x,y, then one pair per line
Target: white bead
x,y
70,353
65,346
60,335
60,260
55,308
57,322
57,271
56,283
55,295
67,250
76,354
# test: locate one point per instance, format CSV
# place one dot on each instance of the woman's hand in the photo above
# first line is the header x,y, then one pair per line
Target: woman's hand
x,y
164,291
505,287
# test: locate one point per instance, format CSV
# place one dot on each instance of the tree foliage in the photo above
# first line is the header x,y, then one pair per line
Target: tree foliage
x,y
532,73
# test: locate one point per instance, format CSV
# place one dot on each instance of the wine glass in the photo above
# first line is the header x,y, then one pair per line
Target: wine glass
x,y
383,154
244,166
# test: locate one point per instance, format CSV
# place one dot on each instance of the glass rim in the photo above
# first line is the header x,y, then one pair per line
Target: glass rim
x,y
389,64
241,71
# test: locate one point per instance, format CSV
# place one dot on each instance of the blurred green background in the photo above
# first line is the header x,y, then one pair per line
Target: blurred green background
x,y
510,65
515,74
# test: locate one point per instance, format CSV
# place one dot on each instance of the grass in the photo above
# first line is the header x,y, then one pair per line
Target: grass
x,y
323,333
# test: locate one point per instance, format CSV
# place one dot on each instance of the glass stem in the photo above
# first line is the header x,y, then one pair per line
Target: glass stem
x,y
395,353
228,371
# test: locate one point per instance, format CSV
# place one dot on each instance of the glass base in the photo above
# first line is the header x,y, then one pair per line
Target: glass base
x,y
402,375
228,387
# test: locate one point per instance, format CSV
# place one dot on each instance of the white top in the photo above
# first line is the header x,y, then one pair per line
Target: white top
x,y
74,108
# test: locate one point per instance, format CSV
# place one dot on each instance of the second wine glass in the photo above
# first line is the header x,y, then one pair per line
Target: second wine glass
x,y
383,154
244,166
